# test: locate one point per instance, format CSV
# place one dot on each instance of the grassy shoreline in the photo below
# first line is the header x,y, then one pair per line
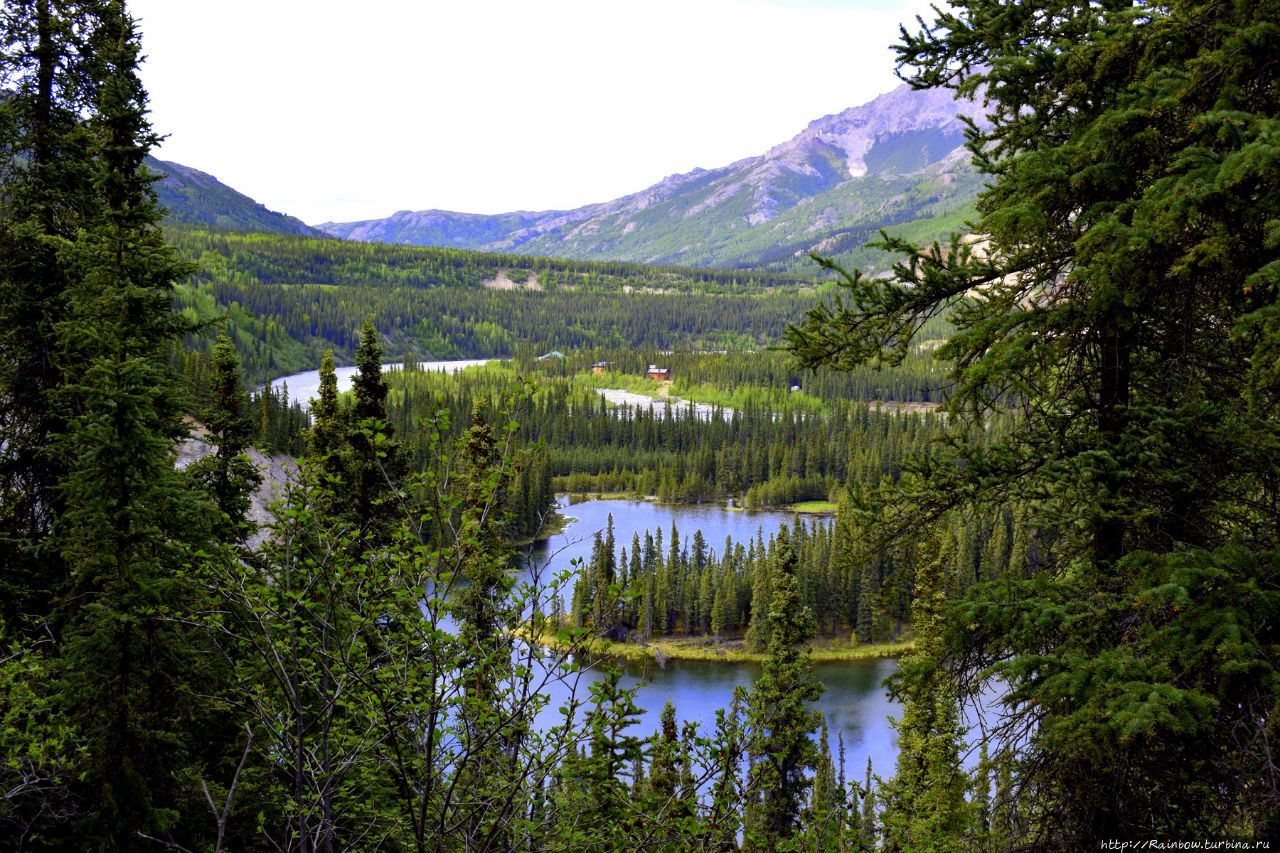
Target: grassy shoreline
x,y
553,525
583,497
826,650
815,507
802,508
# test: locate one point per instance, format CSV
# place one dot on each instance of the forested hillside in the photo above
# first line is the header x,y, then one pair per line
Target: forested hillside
x,y
191,197
273,259
1053,458
287,299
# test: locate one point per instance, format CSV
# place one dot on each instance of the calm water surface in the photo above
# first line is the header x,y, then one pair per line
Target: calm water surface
x,y
702,411
854,703
304,386
635,517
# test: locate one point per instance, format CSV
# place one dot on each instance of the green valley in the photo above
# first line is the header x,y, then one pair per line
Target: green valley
x,y
913,485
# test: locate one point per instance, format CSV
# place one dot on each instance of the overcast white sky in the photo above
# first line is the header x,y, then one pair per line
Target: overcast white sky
x,y
334,110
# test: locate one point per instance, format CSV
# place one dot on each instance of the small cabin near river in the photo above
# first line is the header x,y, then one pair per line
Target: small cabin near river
x,y
659,374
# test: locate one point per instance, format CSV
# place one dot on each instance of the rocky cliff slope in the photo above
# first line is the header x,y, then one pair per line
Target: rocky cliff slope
x,y
830,188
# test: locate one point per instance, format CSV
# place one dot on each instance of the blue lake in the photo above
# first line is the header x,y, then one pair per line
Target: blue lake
x,y
855,704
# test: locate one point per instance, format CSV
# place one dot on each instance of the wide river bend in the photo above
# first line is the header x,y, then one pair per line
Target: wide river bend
x,y
854,703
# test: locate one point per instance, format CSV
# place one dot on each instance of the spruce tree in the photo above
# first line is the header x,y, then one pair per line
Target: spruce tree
x,y
981,796
594,806
47,164
825,814
924,802
664,752
484,611
327,431
1117,295
780,712
376,464
759,629
228,475
868,602
479,604
868,828
127,522
266,414
369,385
1003,831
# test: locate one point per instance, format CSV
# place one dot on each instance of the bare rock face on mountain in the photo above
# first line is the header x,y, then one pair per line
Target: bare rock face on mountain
x,y
435,228
278,473
903,129
893,160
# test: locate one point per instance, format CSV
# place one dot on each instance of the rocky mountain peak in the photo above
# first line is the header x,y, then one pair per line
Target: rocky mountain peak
x,y
855,131
832,186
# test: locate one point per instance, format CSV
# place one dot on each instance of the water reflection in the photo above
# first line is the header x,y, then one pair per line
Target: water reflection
x,y
854,703
635,517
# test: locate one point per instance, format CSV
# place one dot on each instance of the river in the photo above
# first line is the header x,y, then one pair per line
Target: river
x,y
304,386
854,703
631,400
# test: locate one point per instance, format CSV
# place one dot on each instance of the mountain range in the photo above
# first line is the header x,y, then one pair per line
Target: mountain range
x,y
897,159
895,162
192,197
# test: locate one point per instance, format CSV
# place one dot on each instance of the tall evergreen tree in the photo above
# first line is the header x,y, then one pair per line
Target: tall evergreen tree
x,y
376,465
369,385
1120,293
228,474
484,612
924,802
325,438
759,630
826,817
663,758
487,476
780,712
126,518
868,828
47,153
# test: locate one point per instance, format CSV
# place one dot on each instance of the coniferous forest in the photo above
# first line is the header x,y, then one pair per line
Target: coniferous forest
x,y
1046,456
